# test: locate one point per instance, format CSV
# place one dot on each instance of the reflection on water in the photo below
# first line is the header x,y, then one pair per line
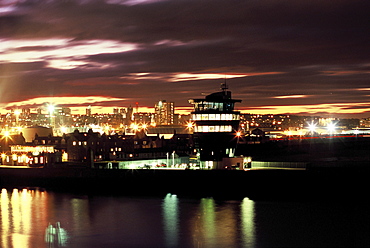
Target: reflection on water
x,y
19,209
170,209
56,236
224,224
247,222
36,218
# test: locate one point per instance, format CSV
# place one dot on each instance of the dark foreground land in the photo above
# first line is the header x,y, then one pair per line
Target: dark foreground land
x,y
317,182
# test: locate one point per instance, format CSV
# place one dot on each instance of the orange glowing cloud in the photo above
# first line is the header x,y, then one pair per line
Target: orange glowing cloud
x,y
203,76
291,96
332,108
65,100
344,73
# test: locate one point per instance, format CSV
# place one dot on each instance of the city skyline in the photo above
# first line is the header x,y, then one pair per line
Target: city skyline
x,y
278,57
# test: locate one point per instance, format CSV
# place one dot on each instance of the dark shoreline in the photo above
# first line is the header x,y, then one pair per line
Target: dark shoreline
x,y
323,183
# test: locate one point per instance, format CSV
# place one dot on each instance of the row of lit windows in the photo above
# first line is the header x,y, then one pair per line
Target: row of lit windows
x,y
23,159
216,117
79,143
117,149
206,129
220,106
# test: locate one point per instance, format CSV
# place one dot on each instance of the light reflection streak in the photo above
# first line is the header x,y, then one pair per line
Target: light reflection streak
x,y
5,219
205,226
247,222
170,208
19,211
219,225
80,212
20,215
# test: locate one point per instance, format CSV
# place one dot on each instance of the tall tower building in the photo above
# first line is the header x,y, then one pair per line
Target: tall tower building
x,y
129,114
164,112
88,111
216,125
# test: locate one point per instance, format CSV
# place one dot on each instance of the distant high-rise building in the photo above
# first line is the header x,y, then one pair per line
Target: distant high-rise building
x,y
26,111
88,111
164,113
115,111
129,114
144,118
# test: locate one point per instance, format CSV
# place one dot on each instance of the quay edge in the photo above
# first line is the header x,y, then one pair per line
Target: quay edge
x,y
334,183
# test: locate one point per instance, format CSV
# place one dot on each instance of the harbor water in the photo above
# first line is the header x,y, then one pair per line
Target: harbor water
x,y
40,218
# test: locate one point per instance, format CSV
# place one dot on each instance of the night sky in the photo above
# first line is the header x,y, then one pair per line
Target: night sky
x,y
308,57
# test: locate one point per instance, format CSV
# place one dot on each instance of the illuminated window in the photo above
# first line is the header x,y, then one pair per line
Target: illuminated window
x,y
205,129
74,143
216,117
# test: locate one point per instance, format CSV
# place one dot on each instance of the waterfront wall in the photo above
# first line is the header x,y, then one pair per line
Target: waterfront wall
x,y
261,164
268,183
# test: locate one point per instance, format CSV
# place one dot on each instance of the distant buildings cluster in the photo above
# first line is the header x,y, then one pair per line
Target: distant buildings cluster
x,y
128,119
210,133
88,148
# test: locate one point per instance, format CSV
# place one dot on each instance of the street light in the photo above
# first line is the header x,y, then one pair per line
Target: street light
x,y
312,128
167,158
51,109
190,125
331,128
173,158
17,114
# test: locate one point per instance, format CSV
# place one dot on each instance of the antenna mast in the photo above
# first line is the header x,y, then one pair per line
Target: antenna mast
x,y
224,85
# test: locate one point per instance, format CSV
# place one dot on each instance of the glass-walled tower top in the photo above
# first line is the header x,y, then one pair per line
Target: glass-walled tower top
x,y
215,102
216,125
215,113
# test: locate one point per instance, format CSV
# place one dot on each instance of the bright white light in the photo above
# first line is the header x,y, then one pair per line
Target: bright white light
x,y
312,127
6,134
51,108
63,129
331,127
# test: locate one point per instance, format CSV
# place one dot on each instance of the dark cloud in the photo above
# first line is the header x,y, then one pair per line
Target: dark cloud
x,y
320,47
